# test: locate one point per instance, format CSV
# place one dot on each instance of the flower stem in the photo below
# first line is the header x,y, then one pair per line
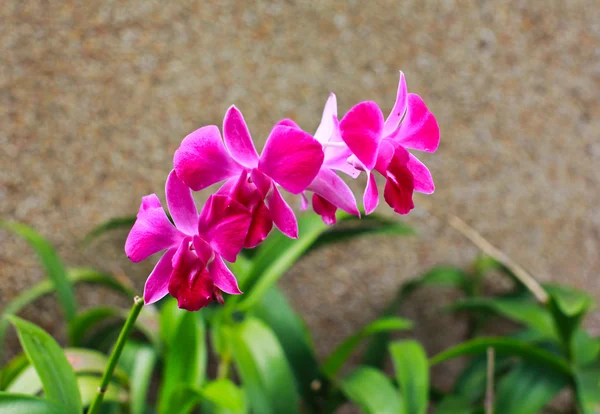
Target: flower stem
x,y
138,303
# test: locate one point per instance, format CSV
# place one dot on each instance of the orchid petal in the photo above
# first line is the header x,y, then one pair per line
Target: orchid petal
x,y
336,157
287,122
224,224
262,182
157,284
399,185
282,214
419,129
361,130
423,181
292,158
303,201
181,204
386,152
222,277
202,249
332,188
152,231
325,209
326,127
202,160
392,121
190,282
371,196
260,226
238,139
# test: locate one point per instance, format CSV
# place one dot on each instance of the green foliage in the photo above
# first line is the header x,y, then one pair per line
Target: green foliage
x,y
264,355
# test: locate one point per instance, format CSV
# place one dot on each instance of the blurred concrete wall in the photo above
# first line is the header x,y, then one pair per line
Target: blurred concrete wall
x,y
96,96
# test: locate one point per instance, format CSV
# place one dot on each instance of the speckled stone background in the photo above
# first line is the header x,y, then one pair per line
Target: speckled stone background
x,y
96,96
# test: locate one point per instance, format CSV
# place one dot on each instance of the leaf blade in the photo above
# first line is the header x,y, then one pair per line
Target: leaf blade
x,y
412,373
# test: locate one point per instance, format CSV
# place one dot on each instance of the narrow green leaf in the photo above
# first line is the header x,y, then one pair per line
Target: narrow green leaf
x,y
439,276
276,255
523,311
263,368
223,397
112,224
372,391
144,360
185,359
11,370
83,362
274,309
51,364
472,382
412,373
52,264
349,227
587,382
568,307
504,346
528,388
26,404
338,357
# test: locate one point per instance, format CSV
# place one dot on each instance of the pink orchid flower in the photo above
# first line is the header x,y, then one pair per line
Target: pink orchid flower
x,y
382,146
192,268
290,159
330,192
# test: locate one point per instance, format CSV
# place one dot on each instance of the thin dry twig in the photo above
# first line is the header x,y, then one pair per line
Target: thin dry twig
x,y
534,287
489,392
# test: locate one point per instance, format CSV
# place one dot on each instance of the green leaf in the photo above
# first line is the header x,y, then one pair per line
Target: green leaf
x,y
528,388
278,252
139,361
336,360
275,311
372,391
185,359
26,404
223,397
112,224
587,382
51,364
504,346
454,404
11,370
412,372
263,368
568,306
439,276
88,386
86,321
585,348
471,384
83,362
523,311
76,276
276,255
349,227
52,264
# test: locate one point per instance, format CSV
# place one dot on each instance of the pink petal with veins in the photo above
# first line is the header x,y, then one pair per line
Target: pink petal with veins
x,y
292,158
419,130
181,204
202,160
152,231
237,138
361,129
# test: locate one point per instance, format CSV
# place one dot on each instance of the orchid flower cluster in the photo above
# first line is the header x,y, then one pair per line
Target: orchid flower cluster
x,y
242,212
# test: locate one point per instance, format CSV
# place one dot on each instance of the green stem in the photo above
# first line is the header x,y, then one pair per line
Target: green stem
x,y
138,303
